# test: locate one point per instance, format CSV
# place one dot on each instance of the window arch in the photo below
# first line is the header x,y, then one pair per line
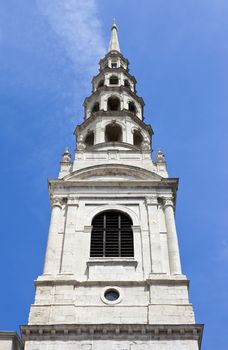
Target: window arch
x,y
137,138
112,235
113,104
114,64
113,133
131,106
113,80
95,107
89,139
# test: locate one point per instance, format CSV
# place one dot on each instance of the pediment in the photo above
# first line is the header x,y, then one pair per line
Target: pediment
x,y
112,172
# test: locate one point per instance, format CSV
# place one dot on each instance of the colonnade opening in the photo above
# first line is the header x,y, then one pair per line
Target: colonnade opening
x,y
89,139
112,235
131,106
96,107
101,83
113,104
113,80
113,133
137,138
126,83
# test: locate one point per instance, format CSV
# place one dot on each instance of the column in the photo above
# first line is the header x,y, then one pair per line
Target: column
x,y
51,265
155,243
173,247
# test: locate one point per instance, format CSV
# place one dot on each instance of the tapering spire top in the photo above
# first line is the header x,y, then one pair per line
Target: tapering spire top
x,y
114,42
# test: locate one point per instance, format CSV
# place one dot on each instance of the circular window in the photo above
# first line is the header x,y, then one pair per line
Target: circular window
x,y
111,294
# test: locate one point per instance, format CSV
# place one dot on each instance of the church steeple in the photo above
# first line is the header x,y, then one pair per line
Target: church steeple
x,y
114,112
114,42
112,275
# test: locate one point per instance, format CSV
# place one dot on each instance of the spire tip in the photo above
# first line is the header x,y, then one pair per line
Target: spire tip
x,y
114,42
114,25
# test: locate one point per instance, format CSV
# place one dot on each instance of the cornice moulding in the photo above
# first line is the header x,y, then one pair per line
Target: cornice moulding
x,y
145,184
113,70
130,332
113,54
70,280
117,88
12,336
113,114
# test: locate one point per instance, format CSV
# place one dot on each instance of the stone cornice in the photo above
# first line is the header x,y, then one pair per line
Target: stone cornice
x,y
114,70
131,332
14,337
119,89
154,279
162,183
114,114
113,54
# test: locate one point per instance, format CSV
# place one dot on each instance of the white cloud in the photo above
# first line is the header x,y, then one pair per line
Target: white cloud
x,y
77,26
78,29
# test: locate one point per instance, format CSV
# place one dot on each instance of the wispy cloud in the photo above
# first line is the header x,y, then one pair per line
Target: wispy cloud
x,y
78,29
77,25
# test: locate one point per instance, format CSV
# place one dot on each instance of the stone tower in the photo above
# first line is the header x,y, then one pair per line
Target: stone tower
x,y
112,276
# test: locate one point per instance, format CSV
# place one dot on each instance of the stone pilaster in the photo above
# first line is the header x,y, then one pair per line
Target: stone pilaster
x,y
155,243
69,236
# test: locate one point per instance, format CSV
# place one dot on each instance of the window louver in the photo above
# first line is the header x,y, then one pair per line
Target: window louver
x,y
112,235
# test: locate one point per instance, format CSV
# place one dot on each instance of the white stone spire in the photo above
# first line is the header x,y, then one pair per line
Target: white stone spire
x,y
114,42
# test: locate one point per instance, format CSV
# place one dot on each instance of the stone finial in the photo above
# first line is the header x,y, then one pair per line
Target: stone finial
x,y
65,164
114,42
160,158
80,144
146,144
66,157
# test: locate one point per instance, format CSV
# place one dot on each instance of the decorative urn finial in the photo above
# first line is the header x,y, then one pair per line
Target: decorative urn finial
x,y
66,157
160,158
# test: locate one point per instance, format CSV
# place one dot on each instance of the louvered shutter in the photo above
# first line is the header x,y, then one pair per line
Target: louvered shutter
x,y
112,235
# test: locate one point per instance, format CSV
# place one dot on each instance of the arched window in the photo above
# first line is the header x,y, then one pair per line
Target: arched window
x,y
113,133
137,138
112,235
113,80
131,106
89,140
101,83
95,107
126,83
113,104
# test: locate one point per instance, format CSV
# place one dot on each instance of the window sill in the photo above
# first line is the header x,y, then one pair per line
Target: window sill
x,y
112,261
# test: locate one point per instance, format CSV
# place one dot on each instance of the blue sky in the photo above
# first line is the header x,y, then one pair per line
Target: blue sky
x,y
178,52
